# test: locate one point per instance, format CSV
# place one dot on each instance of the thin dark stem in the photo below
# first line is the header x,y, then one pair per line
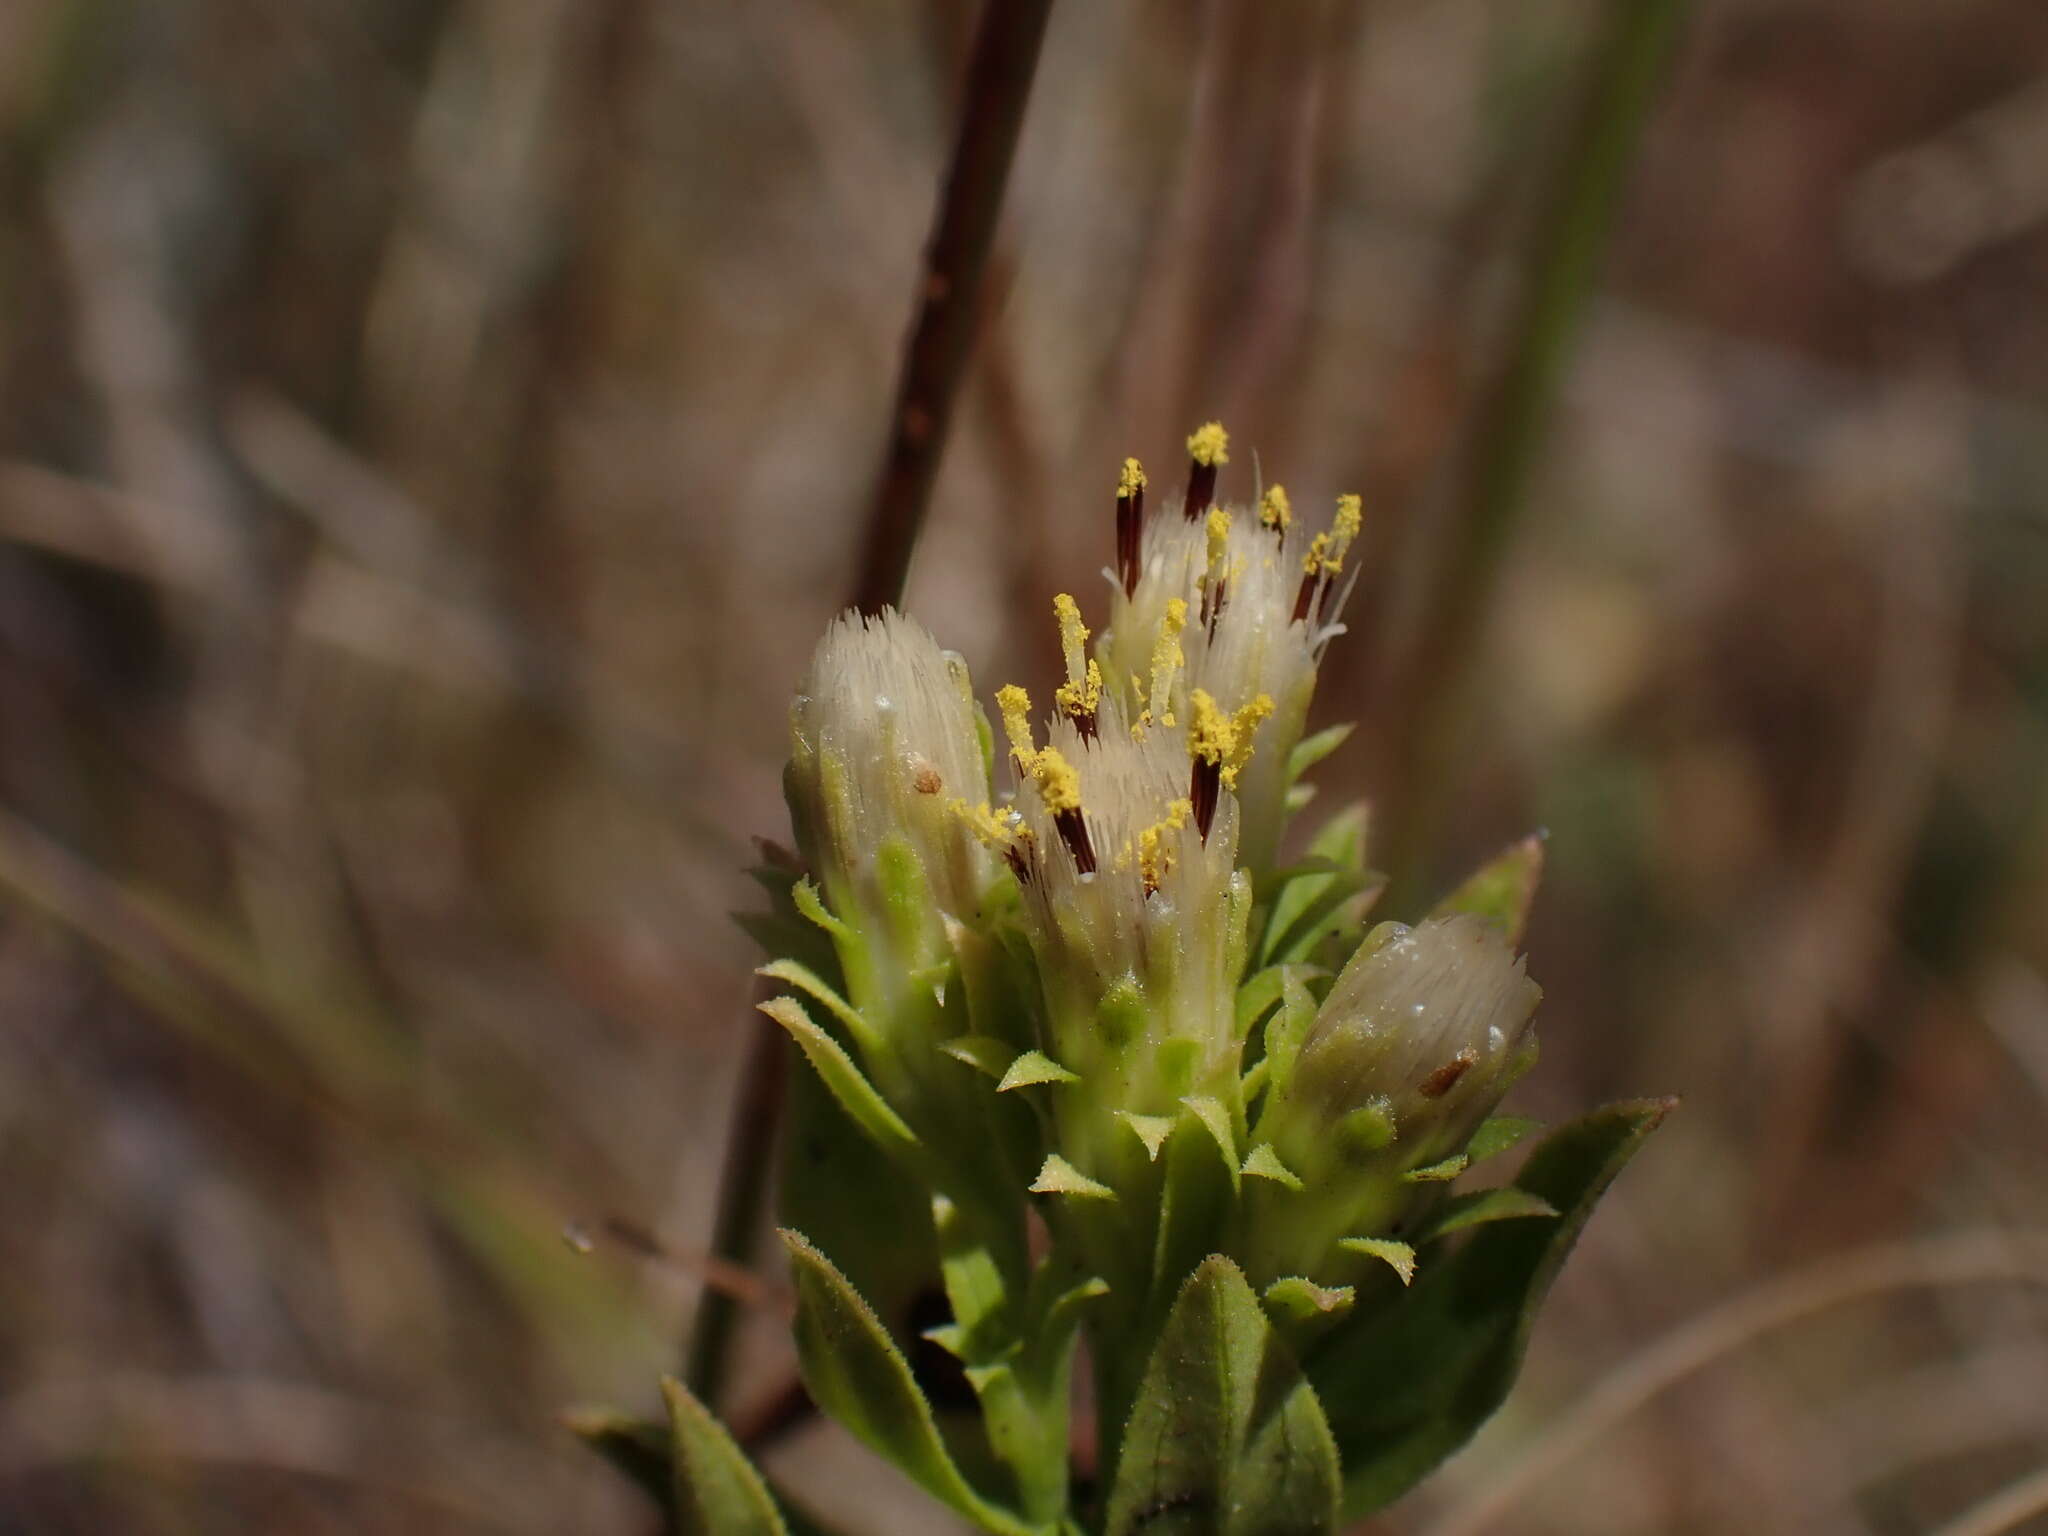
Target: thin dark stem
x,y
992,111
1570,239
999,75
742,1190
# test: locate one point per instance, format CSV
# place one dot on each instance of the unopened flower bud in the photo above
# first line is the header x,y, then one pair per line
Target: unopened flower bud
x,y
885,743
1423,1032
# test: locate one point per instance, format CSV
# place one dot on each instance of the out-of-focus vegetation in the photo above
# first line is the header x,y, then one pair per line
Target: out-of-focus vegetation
x,y
434,432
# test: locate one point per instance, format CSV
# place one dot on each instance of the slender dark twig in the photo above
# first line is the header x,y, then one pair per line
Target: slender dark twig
x,y
992,111
1514,416
999,75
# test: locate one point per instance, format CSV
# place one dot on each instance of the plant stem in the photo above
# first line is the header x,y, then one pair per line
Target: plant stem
x,y
999,75
999,78
1569,240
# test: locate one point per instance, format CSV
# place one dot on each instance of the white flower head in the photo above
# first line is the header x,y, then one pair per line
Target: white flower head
x,y
884,737
1238,603
1131,894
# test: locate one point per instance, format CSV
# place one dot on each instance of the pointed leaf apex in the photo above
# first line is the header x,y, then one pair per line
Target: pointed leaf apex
x,y
1150,1129
1032,1068
1437,1173
1399,1256
1264,1163
1060,1177
1300,1298
1212,1113
1502,890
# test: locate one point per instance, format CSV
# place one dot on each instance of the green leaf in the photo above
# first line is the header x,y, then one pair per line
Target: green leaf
x,y
1033,1068
1257,995
1311,750
1438,1173
1407,1384
856,1374
1215,1117
1060,1177
1496,1135
1481,1206
805,895
637,1447
856,1095
1329,889
1264,1163
1227,1438
852,1200
1150,1129
1299,1299
717,1490
793,973
1395,1254
1024,1415
1501,890
985,1053
1288,1028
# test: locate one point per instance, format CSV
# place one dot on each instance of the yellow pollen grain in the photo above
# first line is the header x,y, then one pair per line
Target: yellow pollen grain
x,y
1059,786
1275,511
1219,539
1015,705
1166,655
1077,699
1316,561
1131,480
1212,736
1154,857
1350,518
994,829
1243,725
1073,635
1209,444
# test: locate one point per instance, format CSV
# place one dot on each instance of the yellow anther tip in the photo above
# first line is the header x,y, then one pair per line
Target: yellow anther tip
x,y
1059,785
1132,479
1275,511
1209,444
1350,516
1211,733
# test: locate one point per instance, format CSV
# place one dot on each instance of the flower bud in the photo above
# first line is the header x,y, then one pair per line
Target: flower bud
x,y
1423,1032
885,739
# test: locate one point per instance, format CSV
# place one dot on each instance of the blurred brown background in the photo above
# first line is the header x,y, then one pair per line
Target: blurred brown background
x,y
434,432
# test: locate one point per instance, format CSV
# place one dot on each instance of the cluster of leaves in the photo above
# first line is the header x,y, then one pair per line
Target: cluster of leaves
x,y
1250,1413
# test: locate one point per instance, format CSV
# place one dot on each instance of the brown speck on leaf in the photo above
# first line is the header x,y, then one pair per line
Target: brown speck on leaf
x,y
925,779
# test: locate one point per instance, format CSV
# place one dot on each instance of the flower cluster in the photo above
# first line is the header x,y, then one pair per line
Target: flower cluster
x,y
1075,998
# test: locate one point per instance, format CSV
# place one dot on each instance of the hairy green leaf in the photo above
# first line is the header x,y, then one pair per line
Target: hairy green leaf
x,y
855,1373
1226,1438
1501,890
1407,1385
717,1490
